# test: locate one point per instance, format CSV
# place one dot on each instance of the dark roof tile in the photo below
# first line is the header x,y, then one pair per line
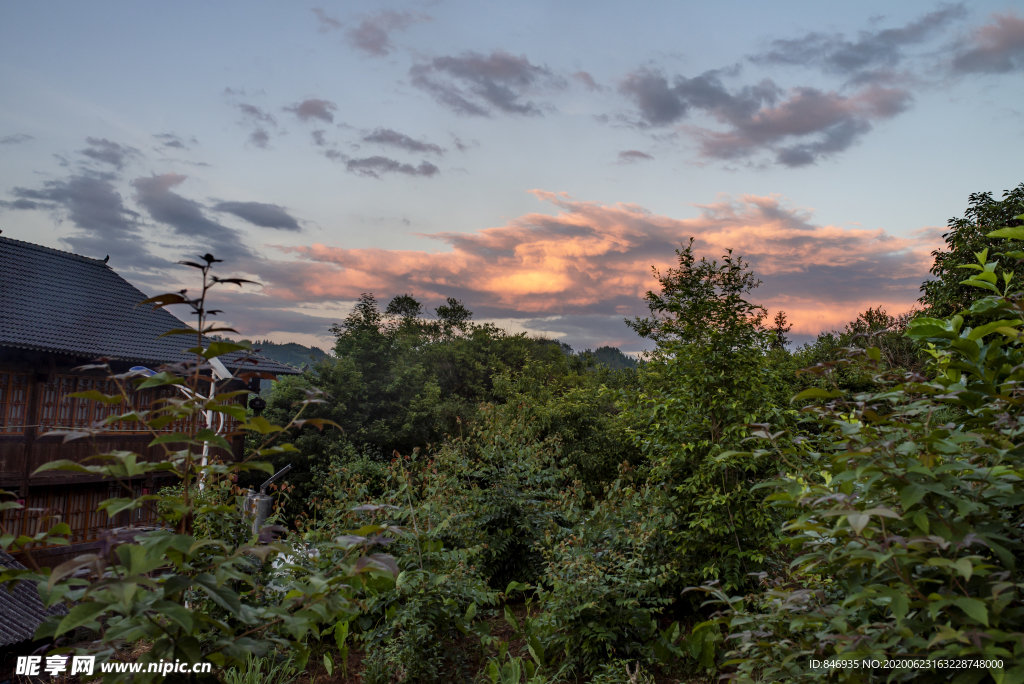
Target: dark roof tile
x,y
69,304
21,610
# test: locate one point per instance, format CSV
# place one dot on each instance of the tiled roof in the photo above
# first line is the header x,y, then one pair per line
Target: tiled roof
x,y
69,304
21,610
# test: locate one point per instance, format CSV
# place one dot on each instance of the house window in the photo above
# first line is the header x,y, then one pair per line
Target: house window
x,y
13,402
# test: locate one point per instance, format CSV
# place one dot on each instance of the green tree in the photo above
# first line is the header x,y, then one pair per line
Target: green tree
x,y
708,379
291,353
613,358
397,382
780,330
967,236
906,522
873,327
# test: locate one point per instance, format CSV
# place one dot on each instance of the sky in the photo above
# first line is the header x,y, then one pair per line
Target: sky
x,y
534,160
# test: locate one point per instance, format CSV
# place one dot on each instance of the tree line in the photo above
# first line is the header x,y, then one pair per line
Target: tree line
x,y
470,504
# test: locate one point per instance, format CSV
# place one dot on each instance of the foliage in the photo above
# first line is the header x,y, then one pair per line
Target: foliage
x,y
873,327
397,383
572,401
533,666
618,672
434,601
262,671
907,524
191,598
613,358
965,237
606,570
707,381
780,329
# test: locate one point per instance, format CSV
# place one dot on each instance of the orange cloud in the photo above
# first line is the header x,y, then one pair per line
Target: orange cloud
x,y
595,259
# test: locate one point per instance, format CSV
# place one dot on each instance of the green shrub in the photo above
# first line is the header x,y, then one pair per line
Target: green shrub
x,y
708,380
413,629
605,576
907,524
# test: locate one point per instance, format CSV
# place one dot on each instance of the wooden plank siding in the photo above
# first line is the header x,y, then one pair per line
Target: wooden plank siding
x,y
33,405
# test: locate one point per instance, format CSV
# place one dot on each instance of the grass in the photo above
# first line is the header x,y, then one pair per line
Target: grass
x,y
262,671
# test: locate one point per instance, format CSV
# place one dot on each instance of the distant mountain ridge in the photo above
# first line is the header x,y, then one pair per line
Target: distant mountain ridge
x,y
611,357
292,353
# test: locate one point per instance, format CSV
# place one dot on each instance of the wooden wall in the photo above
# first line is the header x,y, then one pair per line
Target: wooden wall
x,y
35,401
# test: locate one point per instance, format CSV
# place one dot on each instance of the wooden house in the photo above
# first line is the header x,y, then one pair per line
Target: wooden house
x,y
59,311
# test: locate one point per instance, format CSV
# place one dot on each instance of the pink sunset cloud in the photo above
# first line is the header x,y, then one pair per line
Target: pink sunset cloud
x,y
594,258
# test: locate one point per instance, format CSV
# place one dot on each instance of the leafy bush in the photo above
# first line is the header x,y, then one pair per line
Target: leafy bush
x,y
399,382
414,623
190,598
872,328
707,381
967,235
908,521
605,577
618,672
571,401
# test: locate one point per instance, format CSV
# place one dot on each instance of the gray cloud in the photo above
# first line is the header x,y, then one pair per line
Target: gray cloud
x,y
633,156
15,139
260,138
185,216
96,208
256,114
92,202
259,120
799,127
25,205
389,137
260,214
318,138
477,85
372,35
109,152
995,48
377,166
326,22
883,49
661,104
313,109
256,315
173,141
587,80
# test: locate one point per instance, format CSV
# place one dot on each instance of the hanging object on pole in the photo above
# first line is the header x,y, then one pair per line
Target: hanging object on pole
x,y
257,506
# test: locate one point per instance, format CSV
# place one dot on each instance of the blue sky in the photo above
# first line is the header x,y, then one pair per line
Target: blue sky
x,y
531,159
